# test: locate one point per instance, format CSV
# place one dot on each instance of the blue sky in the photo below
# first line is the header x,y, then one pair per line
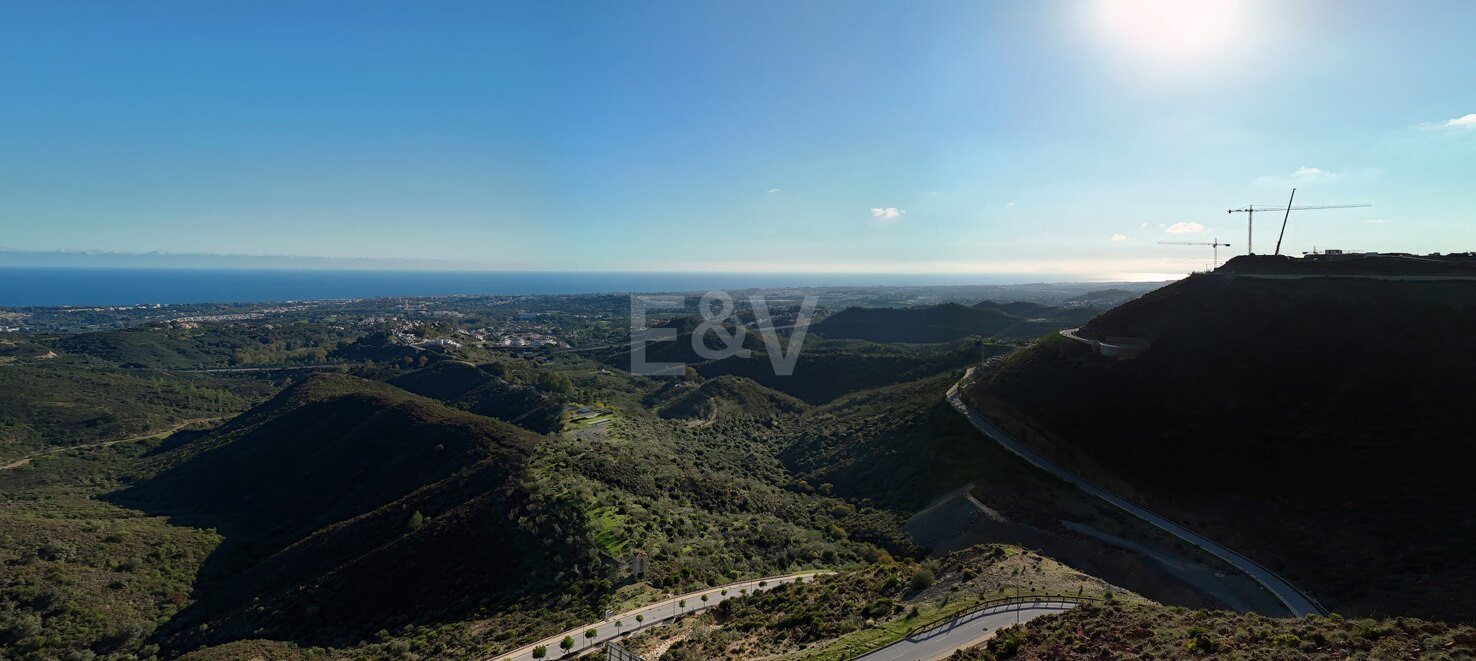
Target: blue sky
x,y
731,136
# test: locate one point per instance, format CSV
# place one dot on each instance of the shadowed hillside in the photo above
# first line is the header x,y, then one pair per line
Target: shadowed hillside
x,y
825,369
484,391
950,321
905,449
1320,425
350,506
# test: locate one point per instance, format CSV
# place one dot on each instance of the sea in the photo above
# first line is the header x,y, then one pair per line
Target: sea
x,y
27,286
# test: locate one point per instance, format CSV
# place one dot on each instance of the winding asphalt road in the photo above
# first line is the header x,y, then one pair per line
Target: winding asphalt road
x,y
966,630
655,614
1296,601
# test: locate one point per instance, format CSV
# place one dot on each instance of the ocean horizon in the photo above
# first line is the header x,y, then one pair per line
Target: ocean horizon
x,y
40,286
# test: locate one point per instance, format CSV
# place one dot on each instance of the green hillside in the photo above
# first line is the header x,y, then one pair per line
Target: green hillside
x,y
899,446
942,323
1321,426
484,390
187,346
951,321
395,510
725,396
824,373
52,403
1154,632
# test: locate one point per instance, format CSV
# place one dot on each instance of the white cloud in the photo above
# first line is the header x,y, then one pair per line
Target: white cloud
x,y
1190,227
1312,173
1143,225
774,190
1118,237
1299,177
1377,221
1009,205
1463,123
887,214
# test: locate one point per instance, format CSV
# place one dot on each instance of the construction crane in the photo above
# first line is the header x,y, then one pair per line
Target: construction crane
x,y
1213,244
1250,217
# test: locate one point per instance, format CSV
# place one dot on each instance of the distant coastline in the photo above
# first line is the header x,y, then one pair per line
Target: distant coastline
x,y
28,286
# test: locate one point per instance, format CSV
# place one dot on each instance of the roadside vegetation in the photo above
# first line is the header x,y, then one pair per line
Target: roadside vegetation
x,y
1125,631
866,608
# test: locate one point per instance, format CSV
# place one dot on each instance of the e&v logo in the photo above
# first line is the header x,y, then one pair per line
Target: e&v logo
x,y
721,320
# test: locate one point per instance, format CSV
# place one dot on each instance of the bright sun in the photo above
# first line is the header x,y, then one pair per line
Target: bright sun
x,y
1176,30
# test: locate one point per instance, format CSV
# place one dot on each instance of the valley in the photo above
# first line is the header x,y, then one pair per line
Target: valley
x,y
402,489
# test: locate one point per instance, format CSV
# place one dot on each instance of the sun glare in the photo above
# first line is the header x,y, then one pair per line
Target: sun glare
x,y
1170,31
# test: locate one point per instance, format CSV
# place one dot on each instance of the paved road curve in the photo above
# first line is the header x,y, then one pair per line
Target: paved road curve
x,y
966,630
654,614
1294,599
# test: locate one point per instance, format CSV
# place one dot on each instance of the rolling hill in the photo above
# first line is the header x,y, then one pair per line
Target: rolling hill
x,y
950,321
484,391
59,402
824,373
348,506
725,396
1320,425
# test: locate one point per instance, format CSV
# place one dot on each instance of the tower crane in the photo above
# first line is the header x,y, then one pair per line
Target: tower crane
x,y
1213,244
1250,217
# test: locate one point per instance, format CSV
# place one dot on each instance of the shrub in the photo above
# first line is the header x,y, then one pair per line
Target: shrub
x,y
56,552
922,579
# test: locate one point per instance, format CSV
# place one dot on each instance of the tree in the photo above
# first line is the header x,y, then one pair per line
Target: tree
x,y
555,382
567,644
640,619
417,520
704,598
591,634
682,604
540,651
618,624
